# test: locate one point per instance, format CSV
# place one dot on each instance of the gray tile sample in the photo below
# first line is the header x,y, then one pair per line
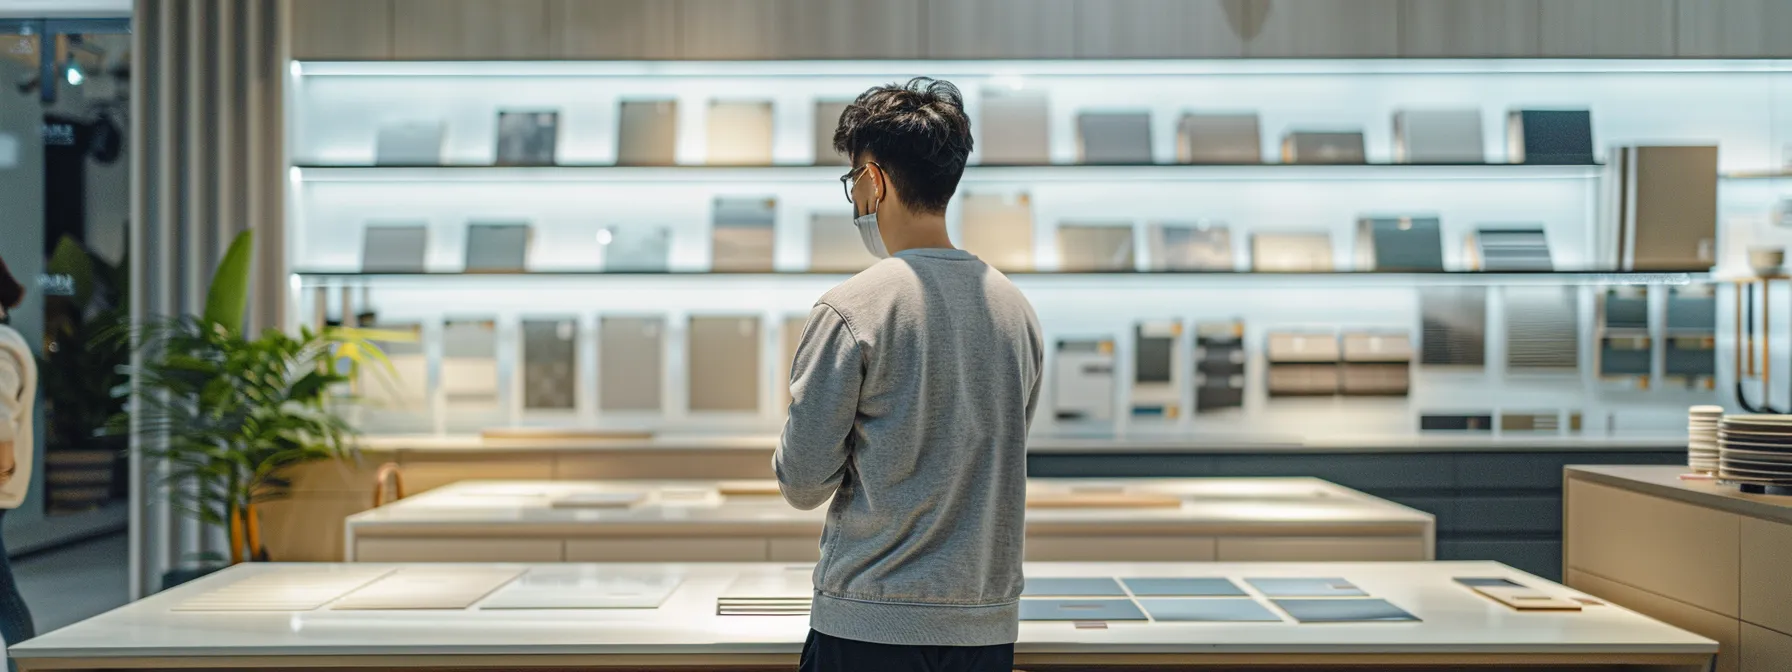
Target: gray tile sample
x,y
1014,128
527,137
723,362
1095,247
394,248
550,364
1181,587
1551,137
409,143
1323,147
1542,328
1400,244
638,249
1073,587
1219,139
1033,609
1344,611
1222,610
647,134
1192,247
1453,322
497,247
1513,249
1114,137
1306,587
743,239
631,354
1438,136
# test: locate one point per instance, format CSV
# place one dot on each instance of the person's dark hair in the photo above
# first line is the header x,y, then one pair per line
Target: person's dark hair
x,y
918,133
11,292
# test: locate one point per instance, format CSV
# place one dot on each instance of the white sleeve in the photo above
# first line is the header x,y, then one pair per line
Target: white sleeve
x,y
11,380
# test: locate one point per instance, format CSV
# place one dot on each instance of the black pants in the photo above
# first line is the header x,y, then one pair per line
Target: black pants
x,y
15,619
823,653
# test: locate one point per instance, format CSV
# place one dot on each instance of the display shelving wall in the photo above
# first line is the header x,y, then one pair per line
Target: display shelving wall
x,y
336,108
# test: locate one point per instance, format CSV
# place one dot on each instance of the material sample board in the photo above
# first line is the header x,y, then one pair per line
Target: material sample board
x,y
1083,383
827,119
394,248
647,134
470,373
1542,328
1344,611
1033,609
527,138
1013,128
740,133
637,249
1453,322
409,143
742,240
1180,587
497,247
724,363
1190,247
1438,136
1306,587
1219,139
550,364
1511,250
835,245
295,590
1291,252
1114,138
584,587
631,354
1557,137
1323,147
1073,587
427,588
1231,610
1399,244
998,229
1093,247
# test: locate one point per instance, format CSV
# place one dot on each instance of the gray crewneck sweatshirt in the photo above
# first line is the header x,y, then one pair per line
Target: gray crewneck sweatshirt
x,y
911,396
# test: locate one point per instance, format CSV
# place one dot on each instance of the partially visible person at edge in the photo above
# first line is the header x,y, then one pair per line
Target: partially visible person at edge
x,y
18,393
911,396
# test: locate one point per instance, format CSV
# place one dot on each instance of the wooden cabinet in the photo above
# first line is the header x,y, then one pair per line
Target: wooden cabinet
x,y
1469,28
1764,650
1766,546
727,29
848,29
1001,28
613,29
478,30
1607,28
341,30
1685,552
1734,29
1326,29
1161,28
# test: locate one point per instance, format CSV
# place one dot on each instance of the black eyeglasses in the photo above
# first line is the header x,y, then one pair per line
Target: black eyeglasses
x,y
846,181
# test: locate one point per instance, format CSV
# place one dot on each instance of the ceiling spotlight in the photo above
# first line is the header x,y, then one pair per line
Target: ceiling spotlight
x,y
74,74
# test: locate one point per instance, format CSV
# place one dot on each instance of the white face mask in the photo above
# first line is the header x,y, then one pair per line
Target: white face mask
x,y
874,241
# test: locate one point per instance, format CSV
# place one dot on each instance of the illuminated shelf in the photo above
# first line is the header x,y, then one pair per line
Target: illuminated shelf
x,y
1759,175
1026,278
1256,172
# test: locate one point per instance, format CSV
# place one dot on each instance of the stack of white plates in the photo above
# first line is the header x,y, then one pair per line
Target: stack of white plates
x,y
1755,449
1701,438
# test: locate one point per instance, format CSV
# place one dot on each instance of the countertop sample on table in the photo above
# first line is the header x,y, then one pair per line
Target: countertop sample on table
x,y
1665,481
696,508
1454,621
1084,442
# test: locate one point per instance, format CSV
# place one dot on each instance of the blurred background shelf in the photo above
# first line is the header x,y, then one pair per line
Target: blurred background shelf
x,y
1403,172
1042,279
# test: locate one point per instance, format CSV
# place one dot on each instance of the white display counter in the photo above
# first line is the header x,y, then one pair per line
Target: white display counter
x,y
329,624
1223,519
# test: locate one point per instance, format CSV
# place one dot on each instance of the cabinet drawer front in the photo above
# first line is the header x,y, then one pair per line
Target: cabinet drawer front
x,y
1677,550
1119,549
458,550
1767,587
1321,549
667,550
1764,650
1692,619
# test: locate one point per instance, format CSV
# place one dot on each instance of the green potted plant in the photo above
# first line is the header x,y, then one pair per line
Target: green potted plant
x,y
229,413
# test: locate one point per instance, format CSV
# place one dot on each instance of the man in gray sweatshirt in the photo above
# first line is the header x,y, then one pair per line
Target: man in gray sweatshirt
x,y
911,396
